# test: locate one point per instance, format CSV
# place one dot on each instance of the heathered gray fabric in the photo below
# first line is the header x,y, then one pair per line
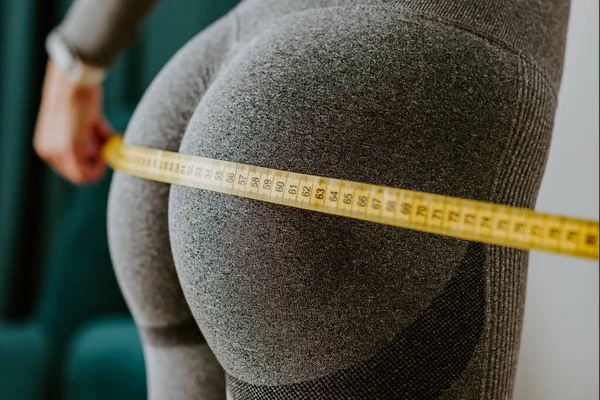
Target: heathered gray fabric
x,y
184,372
337,115
536,29
139,236
97,30
450,97
138,209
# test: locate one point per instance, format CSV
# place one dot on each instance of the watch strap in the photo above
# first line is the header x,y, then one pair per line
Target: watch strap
x,y
69,63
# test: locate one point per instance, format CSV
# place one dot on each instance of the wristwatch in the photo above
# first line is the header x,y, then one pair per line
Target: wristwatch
x,y
69,63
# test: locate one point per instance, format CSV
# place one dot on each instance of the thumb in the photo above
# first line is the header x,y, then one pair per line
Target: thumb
x,y
104,130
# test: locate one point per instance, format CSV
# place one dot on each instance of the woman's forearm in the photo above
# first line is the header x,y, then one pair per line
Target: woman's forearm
x,y
98,30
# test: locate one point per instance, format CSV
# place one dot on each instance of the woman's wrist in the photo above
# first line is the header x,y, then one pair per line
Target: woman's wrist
x,y
66,60
59,80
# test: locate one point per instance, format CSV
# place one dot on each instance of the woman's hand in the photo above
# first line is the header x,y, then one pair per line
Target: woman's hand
x,y
71,128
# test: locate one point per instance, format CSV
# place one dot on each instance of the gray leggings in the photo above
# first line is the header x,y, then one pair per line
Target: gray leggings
x,y
268,302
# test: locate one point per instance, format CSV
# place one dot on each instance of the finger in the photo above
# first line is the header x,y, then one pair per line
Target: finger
x,y
103,133
69,168
94,167
90,162
75,165
94,170
104,130
89,148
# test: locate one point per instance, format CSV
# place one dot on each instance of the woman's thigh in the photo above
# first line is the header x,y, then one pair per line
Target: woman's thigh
x,y
298,304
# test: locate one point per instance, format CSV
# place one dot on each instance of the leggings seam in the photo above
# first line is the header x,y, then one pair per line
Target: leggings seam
x,y
491,39
184,333
419,15
490,336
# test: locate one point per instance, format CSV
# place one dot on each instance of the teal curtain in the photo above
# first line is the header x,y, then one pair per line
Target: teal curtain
x,y
19,77
65,331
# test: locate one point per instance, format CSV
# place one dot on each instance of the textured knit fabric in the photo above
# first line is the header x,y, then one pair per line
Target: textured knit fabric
x,y
97,30
451,97
176,353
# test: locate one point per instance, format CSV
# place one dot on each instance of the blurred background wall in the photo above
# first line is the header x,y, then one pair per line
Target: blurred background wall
x,y
559,349
64,328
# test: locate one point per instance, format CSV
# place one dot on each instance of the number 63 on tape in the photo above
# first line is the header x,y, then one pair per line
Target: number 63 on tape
x,y
426,212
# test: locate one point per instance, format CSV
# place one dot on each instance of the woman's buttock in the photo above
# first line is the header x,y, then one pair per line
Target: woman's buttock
x,y
299,301
297,304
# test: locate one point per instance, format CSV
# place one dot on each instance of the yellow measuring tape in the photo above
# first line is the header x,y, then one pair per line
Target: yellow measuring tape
x,y
450,216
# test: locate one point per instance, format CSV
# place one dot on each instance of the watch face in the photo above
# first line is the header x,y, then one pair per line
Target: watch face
x,y
59,52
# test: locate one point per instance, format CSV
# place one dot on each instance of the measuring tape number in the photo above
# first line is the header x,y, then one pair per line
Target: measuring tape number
x,y
426,212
